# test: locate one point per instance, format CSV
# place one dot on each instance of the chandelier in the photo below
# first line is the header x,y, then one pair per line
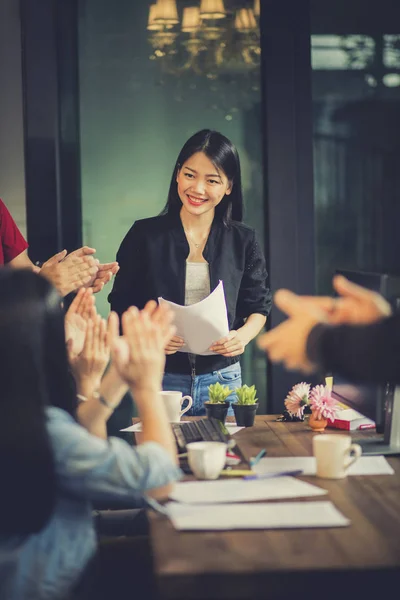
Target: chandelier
x,y
208,40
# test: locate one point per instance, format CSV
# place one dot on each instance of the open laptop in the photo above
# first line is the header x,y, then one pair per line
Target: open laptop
x,y
203,430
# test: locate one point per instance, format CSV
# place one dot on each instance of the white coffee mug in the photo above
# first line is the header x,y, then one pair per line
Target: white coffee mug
x,y
334,454
206,459
173,404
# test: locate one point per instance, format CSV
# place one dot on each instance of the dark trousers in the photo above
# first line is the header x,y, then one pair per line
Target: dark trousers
x,y
123,566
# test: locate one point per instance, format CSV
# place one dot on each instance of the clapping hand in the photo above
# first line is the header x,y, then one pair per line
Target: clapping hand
x,y
89,365
287,343
104,274
139,354
68,272
81,309
356,305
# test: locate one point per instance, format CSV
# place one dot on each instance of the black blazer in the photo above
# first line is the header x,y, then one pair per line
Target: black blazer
x,y
152,259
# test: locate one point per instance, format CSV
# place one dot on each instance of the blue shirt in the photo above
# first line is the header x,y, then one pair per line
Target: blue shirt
x,y
48,564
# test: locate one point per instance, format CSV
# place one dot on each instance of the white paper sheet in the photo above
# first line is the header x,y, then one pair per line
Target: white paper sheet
x,y
232,427
221,491
202,323
135,427
274,515
138,426
366,465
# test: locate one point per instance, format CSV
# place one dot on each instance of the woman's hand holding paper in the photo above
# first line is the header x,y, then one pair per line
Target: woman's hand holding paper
x,y
230,345
174,344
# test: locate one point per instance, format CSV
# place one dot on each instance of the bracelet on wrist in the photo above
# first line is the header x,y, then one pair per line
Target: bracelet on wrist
x,y
104,402
100,398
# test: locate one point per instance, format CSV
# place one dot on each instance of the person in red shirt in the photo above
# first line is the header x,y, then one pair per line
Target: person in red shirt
x,y
12,242
67,272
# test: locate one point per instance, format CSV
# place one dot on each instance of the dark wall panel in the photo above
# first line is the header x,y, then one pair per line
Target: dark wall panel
x,y
286,72
51,125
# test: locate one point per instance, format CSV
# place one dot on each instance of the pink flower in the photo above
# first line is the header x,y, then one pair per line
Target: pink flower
x,y
323,405
297,399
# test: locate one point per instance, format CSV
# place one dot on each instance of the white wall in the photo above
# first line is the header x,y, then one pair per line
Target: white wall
x,y
12,176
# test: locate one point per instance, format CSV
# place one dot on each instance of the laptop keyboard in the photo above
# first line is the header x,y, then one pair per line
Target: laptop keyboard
x,y
198,431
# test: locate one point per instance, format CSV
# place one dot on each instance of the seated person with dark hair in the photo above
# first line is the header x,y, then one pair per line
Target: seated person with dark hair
x,y
52,468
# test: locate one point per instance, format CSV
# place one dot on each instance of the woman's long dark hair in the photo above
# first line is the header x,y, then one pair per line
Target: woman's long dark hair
x,y
33,374
224,157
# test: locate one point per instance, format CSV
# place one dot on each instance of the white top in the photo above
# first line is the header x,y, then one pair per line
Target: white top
x,y
197,284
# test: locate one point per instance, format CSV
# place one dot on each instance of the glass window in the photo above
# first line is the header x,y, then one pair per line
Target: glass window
x,y
356,119
151,75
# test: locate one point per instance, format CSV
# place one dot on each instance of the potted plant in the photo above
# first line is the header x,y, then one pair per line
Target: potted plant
x,y
246,406
217,406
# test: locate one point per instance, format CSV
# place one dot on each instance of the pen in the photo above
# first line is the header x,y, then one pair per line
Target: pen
x,y
238,473
271,475
256,459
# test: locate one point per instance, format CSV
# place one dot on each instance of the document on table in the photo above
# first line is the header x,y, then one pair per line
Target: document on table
x,y
135,427
202,323
274,515
232,427
221,491
365,465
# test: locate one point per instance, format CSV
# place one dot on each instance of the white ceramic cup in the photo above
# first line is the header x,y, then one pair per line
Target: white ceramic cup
x,y
173,404
334,454
206,459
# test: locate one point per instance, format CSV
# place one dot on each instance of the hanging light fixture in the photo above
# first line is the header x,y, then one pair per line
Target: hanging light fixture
x,y
212,9
191,19
208,39
245,20
152,24
166,12
256,8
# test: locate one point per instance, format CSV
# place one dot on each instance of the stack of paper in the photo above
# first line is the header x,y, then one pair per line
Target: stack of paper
x,y
218,505
221,491
232,427
202,323
277,515
365,465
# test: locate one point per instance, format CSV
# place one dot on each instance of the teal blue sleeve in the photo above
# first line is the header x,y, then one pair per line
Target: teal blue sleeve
x,y
105,470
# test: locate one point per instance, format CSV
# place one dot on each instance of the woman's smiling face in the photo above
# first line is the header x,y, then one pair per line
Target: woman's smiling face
x,y
201,186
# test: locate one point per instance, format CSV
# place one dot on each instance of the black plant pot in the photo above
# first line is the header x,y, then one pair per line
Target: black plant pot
x,y
245,414
217,411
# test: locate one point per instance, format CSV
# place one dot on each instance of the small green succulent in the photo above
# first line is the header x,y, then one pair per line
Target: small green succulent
x,y
246,394
217,393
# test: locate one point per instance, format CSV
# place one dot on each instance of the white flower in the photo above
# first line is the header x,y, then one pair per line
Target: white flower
x,y
298,399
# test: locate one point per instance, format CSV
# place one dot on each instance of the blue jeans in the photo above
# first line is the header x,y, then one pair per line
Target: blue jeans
x,y
197,387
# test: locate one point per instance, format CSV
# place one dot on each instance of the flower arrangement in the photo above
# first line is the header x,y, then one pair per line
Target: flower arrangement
x,y
302,399
298,399
323,405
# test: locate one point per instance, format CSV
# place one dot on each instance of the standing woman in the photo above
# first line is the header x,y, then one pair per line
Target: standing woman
x,y
182,254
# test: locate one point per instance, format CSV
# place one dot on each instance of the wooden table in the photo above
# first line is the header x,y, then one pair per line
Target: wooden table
x,y
359,561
